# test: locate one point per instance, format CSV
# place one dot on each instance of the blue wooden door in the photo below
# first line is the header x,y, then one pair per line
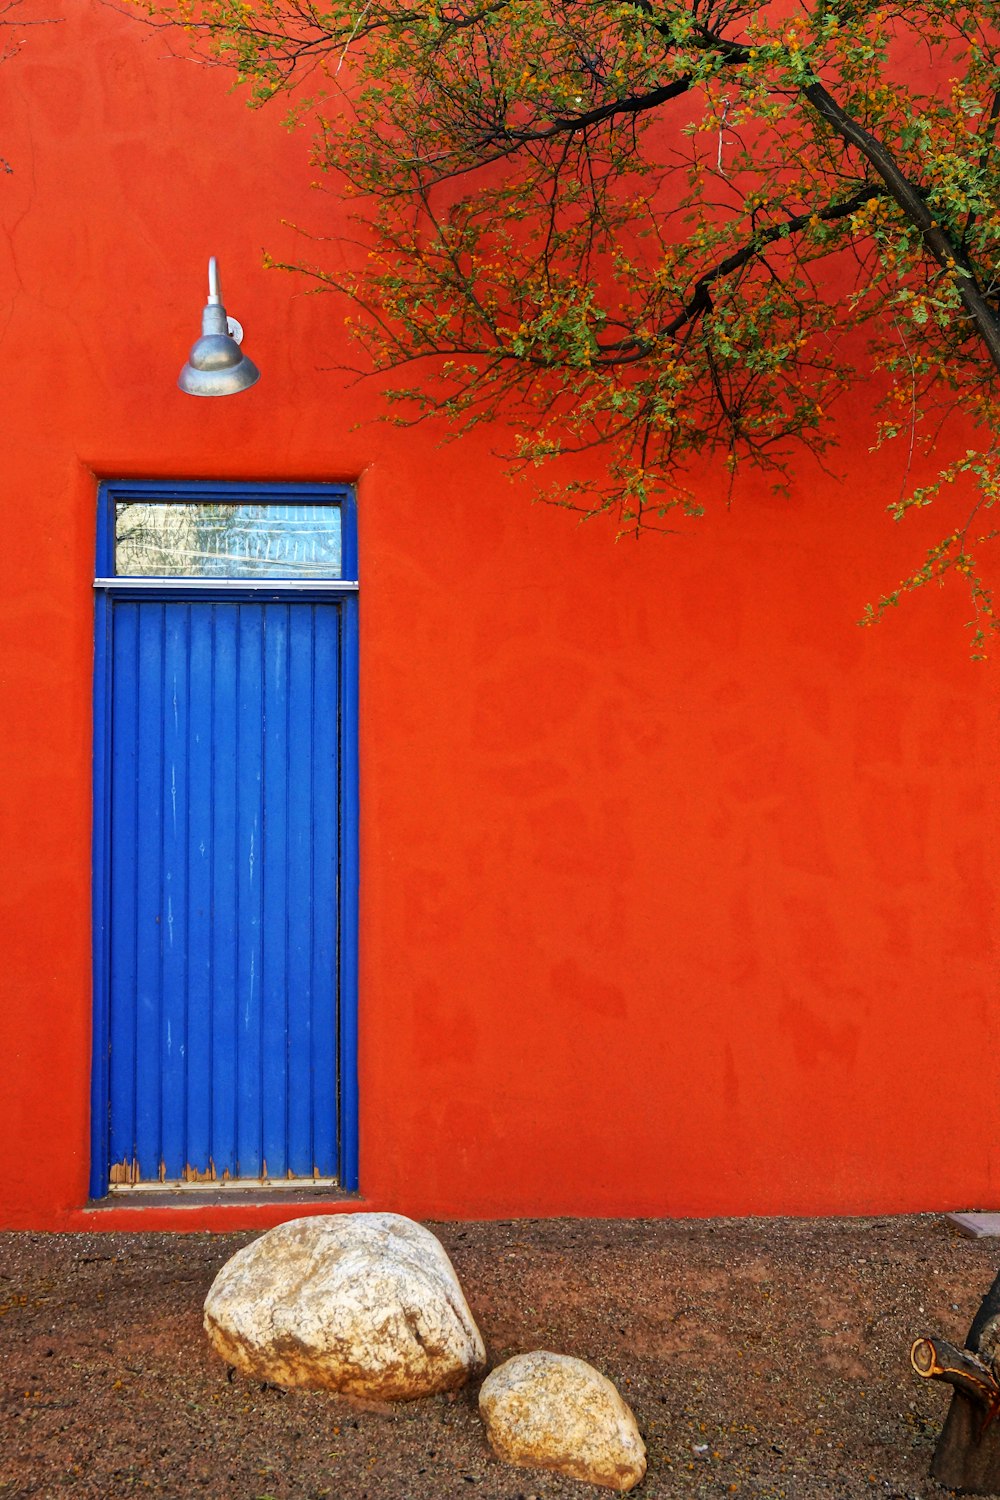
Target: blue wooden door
x,y
223,890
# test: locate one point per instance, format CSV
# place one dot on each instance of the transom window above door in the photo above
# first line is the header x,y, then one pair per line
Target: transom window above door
x,y
228,539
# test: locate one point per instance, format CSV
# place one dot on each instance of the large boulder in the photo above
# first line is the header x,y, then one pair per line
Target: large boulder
x,y
365,1304
549,1411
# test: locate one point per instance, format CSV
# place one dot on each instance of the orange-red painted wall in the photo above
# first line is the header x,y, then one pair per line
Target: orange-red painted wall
x,y
678,889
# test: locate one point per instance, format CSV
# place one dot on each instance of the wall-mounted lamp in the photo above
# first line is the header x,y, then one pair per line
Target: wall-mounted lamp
x,y
216,365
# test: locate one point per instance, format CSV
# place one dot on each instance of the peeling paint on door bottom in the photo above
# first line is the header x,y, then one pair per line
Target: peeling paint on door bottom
x,y
223,1184
125,1177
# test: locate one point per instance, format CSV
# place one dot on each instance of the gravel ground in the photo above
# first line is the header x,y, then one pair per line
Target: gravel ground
x,y
762,1358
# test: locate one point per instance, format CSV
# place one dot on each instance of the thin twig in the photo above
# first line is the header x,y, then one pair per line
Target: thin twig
x,y
913,411
722,135
354,31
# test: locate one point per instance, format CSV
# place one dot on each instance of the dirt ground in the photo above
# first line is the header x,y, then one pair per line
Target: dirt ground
x,y
762,1358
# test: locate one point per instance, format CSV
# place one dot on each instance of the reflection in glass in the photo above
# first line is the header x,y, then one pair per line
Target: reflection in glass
x,y
171,540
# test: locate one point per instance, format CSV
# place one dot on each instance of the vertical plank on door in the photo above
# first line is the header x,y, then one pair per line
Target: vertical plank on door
x,y
148,857
199,1150
174,907
274,881
123,957
220,824
325,893
301,706
249,886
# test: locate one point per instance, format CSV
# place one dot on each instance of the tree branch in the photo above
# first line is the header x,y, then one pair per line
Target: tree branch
x,y
912,201
700,301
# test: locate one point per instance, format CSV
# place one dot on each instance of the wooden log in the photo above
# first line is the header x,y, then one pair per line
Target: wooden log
x,y
967,1456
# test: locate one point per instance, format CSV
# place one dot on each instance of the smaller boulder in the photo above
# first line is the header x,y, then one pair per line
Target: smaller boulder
x,y
549,1411
364,1304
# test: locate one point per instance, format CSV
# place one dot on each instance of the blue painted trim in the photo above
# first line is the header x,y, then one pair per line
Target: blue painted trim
x,y
258,588
212,591
349,535
349,881
99,1080
349,862
250,490
109,492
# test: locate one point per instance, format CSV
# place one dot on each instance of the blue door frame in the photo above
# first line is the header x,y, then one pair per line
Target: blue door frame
x,y
271,603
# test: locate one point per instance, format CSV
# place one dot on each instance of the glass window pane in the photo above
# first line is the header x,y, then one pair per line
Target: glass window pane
x,y
161,539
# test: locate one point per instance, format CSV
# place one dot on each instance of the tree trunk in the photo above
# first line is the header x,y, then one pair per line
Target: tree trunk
x,y
967,1457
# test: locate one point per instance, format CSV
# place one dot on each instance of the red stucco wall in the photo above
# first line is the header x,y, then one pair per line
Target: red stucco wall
x,y
678,889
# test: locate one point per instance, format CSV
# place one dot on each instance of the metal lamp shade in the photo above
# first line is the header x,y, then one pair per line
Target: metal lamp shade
x,y
217,365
